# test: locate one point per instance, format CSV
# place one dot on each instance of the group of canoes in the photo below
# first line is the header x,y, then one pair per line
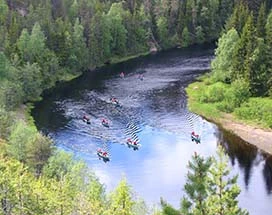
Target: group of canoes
x,y
87,120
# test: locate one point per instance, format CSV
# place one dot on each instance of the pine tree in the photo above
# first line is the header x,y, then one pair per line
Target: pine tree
x,y
186,38
268,42
200,37
223,189
261,21
23,45
242,61
78,55
196,187
121,201
3,12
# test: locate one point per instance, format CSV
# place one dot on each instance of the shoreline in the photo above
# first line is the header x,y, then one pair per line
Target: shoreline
x,y
253,134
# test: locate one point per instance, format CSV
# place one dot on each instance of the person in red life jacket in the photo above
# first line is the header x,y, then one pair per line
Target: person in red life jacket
x,y
122,75
86,118
135,143
129,140
104,121
105,153
193,133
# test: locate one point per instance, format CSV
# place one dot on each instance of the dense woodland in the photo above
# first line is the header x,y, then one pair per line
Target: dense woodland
x,y
43,42
241,77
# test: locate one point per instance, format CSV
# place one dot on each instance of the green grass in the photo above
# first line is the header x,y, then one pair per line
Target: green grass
x,y
257,111
207,100
195,92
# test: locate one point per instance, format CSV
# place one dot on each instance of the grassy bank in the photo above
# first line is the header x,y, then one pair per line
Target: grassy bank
x,y
249,118
218,100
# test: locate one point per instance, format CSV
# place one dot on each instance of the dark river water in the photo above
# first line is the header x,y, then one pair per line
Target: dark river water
x,y
153,112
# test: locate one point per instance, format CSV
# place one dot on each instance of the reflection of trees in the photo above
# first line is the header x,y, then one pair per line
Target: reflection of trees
x,y
267,173
239,150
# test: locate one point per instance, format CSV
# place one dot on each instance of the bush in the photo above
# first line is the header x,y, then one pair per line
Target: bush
x,y
257,109
237,94
214,93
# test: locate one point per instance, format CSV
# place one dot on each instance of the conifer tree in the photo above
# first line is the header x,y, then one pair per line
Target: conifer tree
x,y
186,38
121,200
196,187
223,189
242,62
268,41
261,21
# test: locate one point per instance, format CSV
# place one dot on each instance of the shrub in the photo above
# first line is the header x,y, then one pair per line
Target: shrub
x,y
237,94
257,109
214,93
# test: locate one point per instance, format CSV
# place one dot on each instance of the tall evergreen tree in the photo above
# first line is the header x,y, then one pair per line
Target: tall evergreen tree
x,y
223,189
242,61
261,21
268,42
196,187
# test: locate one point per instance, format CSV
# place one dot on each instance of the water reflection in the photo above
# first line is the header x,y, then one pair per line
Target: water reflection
x,y
267,174
239,150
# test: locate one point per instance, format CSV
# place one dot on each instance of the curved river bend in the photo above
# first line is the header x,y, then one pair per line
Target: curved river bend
x,y
153,111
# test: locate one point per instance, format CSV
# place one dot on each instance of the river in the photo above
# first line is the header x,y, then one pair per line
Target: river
x,y
153,111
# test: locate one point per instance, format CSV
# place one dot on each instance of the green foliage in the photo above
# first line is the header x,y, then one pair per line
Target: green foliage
x,y
163,32
168,209
200,37
4,66
222,64
3,11
210,190
59,164
196,186
118,30
121,202
7,121
223,189
242,58
257,109
261,21
11,95
30,78
20,141
214,93
237,94
186,38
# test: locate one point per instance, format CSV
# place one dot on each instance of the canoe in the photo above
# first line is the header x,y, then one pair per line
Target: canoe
x,y
195,138
106,124
104,157
135,147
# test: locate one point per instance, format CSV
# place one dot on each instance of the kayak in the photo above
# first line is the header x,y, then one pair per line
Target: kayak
x,y
195,138
104,157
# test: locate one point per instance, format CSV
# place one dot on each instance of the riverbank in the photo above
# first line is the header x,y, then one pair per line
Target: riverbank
x,y
249,131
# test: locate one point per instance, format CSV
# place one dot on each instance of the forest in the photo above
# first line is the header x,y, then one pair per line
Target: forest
x,y
240,81
44,42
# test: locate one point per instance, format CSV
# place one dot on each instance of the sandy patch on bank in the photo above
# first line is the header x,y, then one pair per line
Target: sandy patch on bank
x,y
262,138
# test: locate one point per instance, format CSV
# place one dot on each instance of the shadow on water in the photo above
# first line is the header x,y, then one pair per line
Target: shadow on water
x,y
239,151
267,173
